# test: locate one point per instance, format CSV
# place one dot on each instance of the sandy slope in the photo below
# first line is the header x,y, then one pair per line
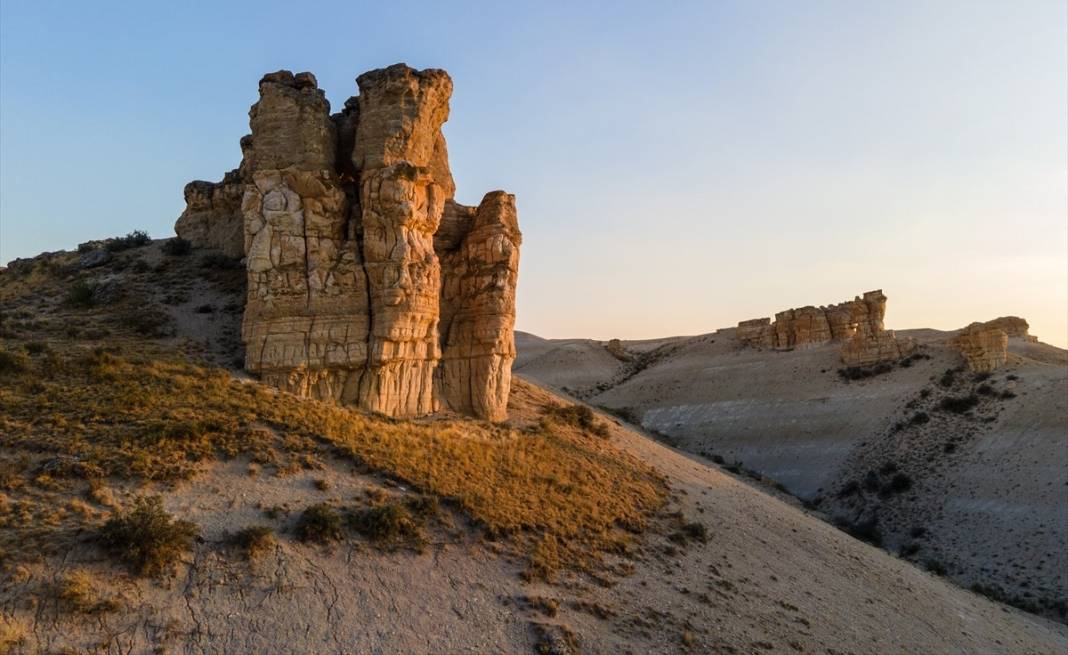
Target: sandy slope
x,y
988,488
769,579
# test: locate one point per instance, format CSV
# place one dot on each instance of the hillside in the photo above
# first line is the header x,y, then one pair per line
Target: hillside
x,y
313,528
975,493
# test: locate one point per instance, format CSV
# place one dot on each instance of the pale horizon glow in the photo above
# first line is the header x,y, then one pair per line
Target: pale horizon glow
x,y
677,169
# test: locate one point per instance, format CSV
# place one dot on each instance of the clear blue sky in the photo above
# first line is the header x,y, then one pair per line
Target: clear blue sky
x,y
678,166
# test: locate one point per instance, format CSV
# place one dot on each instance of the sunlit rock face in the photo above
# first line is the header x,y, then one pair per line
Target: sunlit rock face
x,y
857,324
984,346
367,284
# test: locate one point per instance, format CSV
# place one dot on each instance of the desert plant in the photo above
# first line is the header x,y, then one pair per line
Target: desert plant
x,y
177,247
254,541
919,418
131,240
81,294
13,363
319,523
390,525
147,537
77,591
959,404
899,483
579,416
692,531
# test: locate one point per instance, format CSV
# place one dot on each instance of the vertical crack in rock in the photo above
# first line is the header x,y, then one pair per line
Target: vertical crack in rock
x,y
367,284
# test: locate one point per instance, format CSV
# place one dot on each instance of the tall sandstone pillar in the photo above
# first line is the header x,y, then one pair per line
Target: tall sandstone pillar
x,y
401,111
306,320
368,285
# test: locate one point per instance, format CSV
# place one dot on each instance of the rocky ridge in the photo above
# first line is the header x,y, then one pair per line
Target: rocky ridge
x,y
857,323
368,285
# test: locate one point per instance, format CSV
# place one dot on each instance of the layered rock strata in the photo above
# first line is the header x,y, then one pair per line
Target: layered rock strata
x,y
857,323
367,284
984,346
212,216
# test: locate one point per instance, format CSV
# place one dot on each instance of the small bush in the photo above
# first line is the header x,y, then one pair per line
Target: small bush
x,y
982,376
948,378
918,532
147,537
919,418
849,489
934,566
177,247
36,348
390,525
690,532
1006,395
985,390
81,294
1012,377
888,468
900,483
959,404
319,523
254,541
871,481
851,373
867,530
134,239
579,416
13,363
910,549
205,309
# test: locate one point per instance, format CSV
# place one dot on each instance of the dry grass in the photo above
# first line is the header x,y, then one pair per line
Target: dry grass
x,y
78,414
78,591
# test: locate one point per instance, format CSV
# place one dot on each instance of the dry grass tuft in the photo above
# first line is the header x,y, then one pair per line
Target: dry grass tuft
x,y
78,591
255,541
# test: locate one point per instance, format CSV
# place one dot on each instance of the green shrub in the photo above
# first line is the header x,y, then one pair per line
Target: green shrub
x,y
132,240
147,538
319,523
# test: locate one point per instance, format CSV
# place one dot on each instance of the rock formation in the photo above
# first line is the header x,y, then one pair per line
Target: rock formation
x,y
858,323
212,216
983,345
367,284
815,325
1014,326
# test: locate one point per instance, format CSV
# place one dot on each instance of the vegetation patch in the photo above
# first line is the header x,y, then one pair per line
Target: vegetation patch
x,y
177,247
959,404
254,541
393,525
852,373
319,523
134,239
147,538
578,416
77,591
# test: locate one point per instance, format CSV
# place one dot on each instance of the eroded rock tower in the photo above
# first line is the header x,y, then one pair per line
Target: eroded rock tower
x,y
368,285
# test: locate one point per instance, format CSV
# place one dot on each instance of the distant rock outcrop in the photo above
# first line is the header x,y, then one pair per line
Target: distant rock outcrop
x,y
983,345
857,323
367,284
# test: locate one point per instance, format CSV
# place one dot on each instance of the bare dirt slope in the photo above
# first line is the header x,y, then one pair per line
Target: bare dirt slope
x,y
979,494
762,576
